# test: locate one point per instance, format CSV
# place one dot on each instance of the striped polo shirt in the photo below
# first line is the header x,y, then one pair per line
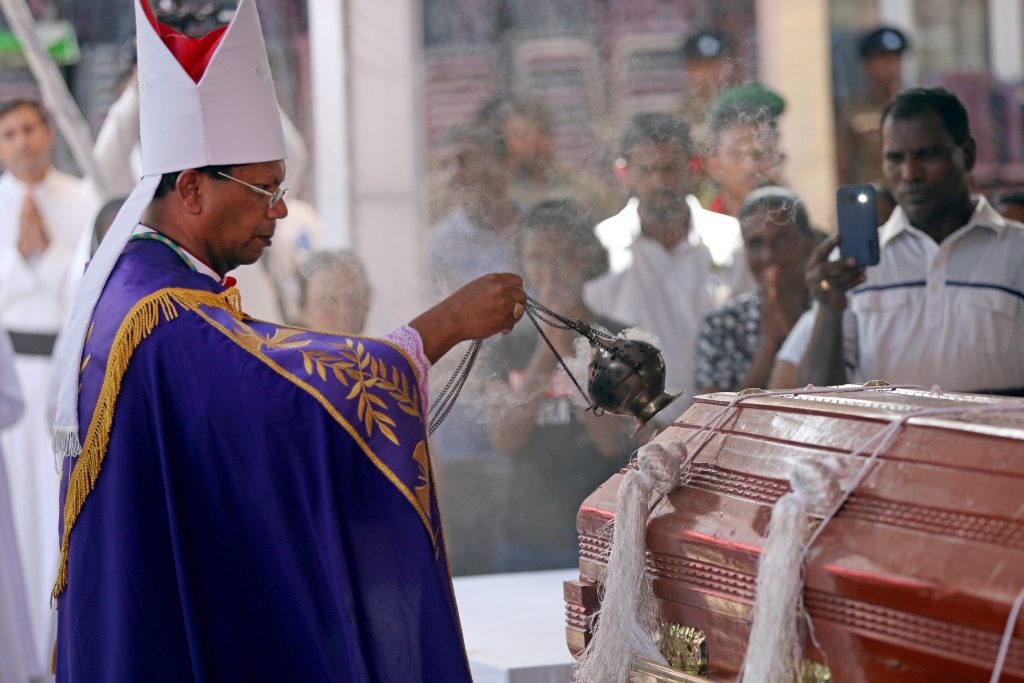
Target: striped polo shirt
x,y
950,314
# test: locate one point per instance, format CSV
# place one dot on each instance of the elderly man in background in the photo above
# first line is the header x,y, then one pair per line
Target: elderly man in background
x,y
336,292
45,213
945,304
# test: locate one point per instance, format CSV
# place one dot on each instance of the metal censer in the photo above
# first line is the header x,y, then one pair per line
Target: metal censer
x,y
627,377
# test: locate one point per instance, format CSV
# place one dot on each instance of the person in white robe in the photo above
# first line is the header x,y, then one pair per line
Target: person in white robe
x,y
45,213
17,653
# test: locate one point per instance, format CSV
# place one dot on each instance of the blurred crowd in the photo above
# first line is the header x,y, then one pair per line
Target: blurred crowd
x,y
703,246
692,237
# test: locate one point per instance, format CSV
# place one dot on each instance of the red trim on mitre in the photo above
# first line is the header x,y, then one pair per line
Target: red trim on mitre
x,y
194,54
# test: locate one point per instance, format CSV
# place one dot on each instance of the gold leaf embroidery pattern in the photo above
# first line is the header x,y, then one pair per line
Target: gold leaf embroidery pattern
x,y
419,455
353,367
360,371
249,338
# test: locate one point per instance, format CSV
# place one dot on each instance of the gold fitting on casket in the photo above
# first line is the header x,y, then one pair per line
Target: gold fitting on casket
x,y
876,383
812,672
685,648
750,390
645,671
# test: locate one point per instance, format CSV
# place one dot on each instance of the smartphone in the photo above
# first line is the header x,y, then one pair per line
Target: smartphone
x,y
858,223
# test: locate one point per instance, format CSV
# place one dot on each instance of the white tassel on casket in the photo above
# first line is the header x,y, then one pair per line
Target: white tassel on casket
x,y
629,615
775,650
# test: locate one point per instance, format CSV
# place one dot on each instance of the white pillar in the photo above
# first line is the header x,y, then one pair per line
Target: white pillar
x,y
329,76
386,150
794,58
1005,24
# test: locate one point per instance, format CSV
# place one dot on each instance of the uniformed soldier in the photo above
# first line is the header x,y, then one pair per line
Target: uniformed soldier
x,y
743,150
859,150
709,67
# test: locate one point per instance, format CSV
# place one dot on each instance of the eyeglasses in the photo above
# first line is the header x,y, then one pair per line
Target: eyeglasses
x,y
275,197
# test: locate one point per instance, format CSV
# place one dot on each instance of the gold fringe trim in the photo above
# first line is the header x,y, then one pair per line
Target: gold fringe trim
x,y
138,324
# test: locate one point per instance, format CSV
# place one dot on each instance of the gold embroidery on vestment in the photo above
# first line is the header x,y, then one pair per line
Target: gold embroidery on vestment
x,y
164,304
138,324
333,412
423,475
353,367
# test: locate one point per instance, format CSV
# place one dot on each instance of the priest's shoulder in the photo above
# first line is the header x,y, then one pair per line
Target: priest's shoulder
x,y
146,266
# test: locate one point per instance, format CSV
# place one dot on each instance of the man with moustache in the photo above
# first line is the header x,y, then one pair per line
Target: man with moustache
x,y
945,304
670,282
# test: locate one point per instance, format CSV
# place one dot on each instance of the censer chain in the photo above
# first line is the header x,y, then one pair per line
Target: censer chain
x,y
446,399
537,312
530,308
593,335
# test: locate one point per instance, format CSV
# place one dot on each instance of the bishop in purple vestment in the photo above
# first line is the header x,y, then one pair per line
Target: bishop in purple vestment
x,y
245,501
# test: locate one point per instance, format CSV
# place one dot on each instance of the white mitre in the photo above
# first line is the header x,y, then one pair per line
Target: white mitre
x,y
226,115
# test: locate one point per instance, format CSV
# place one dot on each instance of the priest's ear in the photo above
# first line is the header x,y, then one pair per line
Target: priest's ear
x,y
189,188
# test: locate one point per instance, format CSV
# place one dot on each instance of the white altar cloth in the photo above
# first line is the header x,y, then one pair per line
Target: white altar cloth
x,y
514,626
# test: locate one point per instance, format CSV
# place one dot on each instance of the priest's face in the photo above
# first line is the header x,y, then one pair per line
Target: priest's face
x,y
25,141
241,223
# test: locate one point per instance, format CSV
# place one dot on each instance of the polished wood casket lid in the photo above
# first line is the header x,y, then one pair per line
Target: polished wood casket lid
x,y
912,581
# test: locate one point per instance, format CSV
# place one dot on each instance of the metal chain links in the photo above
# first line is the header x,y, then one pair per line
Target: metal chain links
x,y
446,399
537,313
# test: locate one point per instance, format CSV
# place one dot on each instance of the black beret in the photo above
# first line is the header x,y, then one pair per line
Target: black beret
x,y
882,40
707,44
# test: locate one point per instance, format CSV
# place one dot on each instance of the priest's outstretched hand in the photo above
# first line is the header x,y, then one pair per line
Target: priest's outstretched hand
x,y
487,305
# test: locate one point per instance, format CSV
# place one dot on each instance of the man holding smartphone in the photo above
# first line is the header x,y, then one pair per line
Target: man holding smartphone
x,y
946,300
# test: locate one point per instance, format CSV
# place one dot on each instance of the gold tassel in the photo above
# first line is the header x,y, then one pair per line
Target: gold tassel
x,y
138,324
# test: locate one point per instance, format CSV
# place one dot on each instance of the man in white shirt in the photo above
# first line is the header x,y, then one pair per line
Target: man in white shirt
x,y
945,304
670,282
45,213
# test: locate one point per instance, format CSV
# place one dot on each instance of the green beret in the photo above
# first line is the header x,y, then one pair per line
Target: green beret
x,y
743,102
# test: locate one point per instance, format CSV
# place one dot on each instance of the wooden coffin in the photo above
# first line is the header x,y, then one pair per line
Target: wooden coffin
x,y
912,581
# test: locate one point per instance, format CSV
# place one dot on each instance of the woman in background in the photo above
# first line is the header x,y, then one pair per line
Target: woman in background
x,y
560,452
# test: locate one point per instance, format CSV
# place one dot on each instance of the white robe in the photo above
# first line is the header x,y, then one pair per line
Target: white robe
x,y
17,651
33,299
